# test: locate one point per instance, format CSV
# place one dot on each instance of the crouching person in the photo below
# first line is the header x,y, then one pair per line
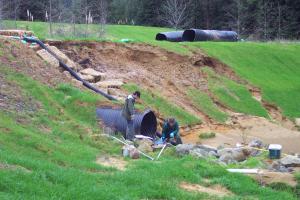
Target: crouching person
x,y
170,132
128,113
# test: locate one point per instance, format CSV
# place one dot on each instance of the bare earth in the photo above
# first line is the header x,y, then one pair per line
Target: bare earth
x,y
216,190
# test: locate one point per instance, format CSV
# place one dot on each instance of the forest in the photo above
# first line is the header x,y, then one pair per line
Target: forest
x,y
251,19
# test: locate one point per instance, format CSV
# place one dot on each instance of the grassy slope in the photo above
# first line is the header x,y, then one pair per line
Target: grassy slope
x,y
233,95
62,160
275,68
164,107
204,103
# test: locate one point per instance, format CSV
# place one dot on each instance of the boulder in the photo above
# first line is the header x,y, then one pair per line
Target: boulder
x,y
88,78
236,154
91,72
256,143
297,121
199,153
290,161
130,151
206,148
227,159
65,59
48,57
144,145
110,84
184,149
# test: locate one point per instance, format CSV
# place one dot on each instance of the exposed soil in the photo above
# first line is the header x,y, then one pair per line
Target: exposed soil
x,y
246,128
114,162
164,72
216,190
267,178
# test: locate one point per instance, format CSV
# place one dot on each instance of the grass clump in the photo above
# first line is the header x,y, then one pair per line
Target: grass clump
x,y
207,135
164,107
202,101
234,95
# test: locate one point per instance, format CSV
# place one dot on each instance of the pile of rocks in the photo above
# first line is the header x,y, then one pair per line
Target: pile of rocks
x,y
131,150
224,155
285,164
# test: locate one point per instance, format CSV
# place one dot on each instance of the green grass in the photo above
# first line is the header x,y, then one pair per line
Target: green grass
x,y
165,108
113,32
273,67
233,95
207,135
61,164
202,101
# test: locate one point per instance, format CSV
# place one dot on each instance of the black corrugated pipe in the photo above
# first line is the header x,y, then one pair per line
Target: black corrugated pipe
x,y
209,35
173,36
144,123
66,67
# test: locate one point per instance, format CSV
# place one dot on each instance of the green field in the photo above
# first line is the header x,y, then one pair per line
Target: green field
x,y
50,154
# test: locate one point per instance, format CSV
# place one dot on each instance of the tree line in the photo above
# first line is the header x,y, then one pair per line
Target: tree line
x,y
251,19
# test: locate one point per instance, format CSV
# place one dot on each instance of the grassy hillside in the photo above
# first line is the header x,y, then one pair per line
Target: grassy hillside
x,y
48,153
273,67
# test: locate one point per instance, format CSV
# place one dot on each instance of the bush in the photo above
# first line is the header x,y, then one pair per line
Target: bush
x,y
207,135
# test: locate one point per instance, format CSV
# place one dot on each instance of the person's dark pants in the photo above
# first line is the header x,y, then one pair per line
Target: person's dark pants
x,y
129,130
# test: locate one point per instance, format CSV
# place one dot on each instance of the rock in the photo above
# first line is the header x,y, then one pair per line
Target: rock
x,y
226,158
290,161
48,57
206,148
63,57
237,154
130,151
256,143
200,153
88,78
212,154
134,154
144,145
297,121
110,84
184,149
98,76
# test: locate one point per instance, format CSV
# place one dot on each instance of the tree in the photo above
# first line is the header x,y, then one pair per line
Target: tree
x,y
174,13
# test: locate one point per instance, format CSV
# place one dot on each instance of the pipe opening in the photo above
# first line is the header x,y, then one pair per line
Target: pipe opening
x,y
189,35
149,124
161,36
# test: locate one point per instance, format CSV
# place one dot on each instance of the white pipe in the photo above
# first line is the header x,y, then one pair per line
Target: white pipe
x,y
129,145
161,152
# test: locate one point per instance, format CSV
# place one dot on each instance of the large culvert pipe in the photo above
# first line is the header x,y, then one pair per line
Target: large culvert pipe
x,y
209,35
173,36
66,67
144,123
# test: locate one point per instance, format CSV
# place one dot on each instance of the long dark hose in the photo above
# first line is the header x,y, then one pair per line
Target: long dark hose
x,y
66,67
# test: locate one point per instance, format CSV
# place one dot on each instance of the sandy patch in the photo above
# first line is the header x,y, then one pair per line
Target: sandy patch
x,y
114,162
266,178
216,190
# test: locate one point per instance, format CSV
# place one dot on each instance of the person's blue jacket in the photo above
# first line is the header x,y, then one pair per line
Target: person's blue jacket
x,y
167,130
